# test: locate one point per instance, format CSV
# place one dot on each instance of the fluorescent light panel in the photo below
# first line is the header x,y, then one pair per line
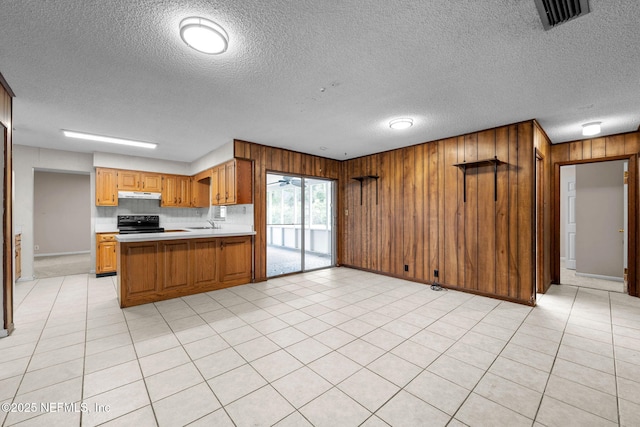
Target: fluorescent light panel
x,y
108,139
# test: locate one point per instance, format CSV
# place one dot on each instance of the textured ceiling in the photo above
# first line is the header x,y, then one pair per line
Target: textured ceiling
x,y
119,68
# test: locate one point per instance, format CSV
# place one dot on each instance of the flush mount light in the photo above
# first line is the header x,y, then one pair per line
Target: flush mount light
x,y
590,129
399,124
203,35
110,140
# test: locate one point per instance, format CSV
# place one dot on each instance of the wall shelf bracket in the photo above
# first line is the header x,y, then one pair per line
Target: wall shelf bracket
x,y
361,179
464,165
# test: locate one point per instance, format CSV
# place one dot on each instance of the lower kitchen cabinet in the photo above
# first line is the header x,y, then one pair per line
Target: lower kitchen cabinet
x,y
158,270
106,254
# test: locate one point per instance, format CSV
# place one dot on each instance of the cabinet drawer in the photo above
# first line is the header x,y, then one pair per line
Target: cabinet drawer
x,y
105,237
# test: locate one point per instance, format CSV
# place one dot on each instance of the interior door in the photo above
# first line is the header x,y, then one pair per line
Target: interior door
x,y
570,262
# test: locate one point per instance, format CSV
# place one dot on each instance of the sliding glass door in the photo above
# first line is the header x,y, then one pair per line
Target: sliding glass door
x,y
300,217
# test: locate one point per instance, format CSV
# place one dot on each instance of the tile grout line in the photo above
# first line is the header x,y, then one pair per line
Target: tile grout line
x,y
615,364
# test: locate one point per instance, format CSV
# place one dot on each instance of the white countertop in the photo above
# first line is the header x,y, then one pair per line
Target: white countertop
x,y
184,233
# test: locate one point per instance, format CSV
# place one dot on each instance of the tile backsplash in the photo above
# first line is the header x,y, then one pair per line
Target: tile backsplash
x,y
239,214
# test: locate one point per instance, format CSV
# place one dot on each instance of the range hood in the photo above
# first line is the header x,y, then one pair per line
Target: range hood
x,y
138,195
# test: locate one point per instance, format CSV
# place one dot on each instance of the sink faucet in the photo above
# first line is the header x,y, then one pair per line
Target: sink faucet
x,y
213,224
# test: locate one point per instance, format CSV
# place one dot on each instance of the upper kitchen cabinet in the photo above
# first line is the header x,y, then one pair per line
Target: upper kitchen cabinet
x,y
231,183
176,191
139,181
106,187
200,185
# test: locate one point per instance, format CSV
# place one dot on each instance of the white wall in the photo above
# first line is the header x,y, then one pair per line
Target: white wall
x,y
25,161
118,161
599,216
62,213
215,157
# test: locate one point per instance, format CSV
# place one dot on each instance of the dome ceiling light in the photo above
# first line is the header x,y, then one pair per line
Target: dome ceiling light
x,y
590,129
204,35
399,124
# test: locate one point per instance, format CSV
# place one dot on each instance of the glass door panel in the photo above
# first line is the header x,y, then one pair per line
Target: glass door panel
x,y
284,225
299,224
318,224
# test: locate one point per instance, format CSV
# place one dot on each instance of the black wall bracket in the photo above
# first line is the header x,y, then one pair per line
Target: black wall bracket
x,y
362,179
464,165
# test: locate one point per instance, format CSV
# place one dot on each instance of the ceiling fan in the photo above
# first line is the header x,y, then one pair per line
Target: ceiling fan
x,y
289,180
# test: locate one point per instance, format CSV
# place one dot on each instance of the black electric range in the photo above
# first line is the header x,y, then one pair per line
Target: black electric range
x,y
135,224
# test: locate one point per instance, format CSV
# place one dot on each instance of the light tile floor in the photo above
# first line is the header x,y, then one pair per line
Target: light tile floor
x,y
335,347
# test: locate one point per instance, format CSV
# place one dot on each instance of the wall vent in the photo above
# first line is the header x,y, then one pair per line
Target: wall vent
x,y
556,12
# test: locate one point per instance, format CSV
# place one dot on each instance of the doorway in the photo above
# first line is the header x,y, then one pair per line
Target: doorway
x,y
61,223
594,225
300,224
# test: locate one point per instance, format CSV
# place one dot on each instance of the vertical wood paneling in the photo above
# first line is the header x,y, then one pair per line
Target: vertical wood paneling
x,y
461,222
449,223
486,254
526,206
513,235
285,161
575,150
598,148
501,286
435,210
411,176
614,145
6,117
471,214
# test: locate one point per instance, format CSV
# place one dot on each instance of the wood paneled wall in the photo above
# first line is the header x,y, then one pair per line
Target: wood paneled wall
x,y
544,182
270,159
6,118
420,219
599,149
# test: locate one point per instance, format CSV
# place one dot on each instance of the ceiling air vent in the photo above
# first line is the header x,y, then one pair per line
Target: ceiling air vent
x,y
556,12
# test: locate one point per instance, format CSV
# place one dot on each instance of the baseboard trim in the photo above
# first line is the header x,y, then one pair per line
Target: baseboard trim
x,y
62,253
598,276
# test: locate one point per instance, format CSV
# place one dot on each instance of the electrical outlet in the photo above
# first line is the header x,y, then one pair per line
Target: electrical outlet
x,y
435,273
36,247
406,267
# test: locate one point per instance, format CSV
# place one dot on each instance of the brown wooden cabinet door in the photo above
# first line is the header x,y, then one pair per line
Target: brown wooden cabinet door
x,y
175,264
169,191
106,258
184,191
140,268
128,180
235,259
106,253
151,182
230,183
106,187
215,187
204,258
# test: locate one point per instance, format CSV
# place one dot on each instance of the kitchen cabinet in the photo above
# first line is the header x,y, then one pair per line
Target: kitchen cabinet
x,y
150,271
105,254
200,189
176,191
139,181
231,183
18,260
106,187
235,259
176,273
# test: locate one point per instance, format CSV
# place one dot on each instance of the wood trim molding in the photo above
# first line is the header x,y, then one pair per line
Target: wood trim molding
x,y
632,225
5,85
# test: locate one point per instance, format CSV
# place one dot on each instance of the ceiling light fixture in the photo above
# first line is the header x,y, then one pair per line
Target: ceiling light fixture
x,y
203,35
399,124
110,140
590,129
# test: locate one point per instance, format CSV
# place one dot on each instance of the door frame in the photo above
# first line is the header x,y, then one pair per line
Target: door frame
x,y
632,219
334,217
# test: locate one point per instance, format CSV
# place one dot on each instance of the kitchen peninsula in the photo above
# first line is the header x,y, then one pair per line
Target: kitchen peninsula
x,y
158,266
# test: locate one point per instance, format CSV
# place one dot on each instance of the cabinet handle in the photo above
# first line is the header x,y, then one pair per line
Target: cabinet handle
x,y
180,200
112,198
142,184
221,245
175,200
